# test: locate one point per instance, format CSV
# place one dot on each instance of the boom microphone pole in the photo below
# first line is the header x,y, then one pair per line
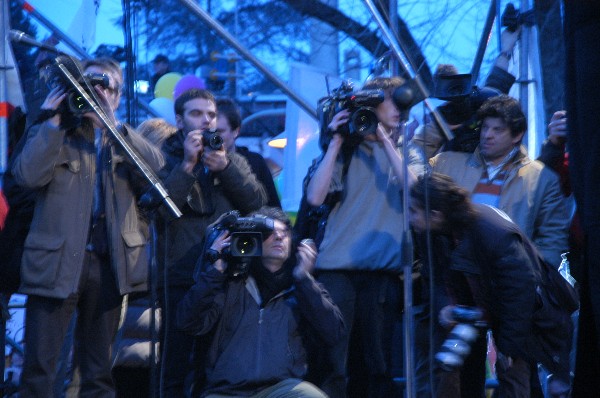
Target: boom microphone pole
x,y
404,97
20,37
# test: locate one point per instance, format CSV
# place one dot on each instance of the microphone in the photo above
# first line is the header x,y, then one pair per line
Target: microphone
x,y
407,95
20,37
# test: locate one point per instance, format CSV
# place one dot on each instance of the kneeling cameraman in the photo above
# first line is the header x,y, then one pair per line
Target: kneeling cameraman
x,y
256,318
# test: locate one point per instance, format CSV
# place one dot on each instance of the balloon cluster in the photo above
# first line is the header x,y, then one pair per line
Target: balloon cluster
x,y
168,88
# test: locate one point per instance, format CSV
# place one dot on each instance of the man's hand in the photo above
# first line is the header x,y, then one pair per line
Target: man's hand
x,y
508,39
306,256
193,148
445,317
340,118
221,243
55,97
557,128
215,160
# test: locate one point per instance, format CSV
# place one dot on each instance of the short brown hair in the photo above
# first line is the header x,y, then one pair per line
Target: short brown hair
x,y
191,94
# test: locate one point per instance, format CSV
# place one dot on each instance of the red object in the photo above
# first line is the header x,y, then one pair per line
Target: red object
x,y
27,7
3,210
5,109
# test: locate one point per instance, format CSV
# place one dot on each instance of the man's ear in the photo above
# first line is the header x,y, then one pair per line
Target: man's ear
x,y
518,138
437,219
236,133
179,121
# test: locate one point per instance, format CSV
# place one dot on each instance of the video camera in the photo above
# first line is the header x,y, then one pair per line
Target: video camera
x,y
247,235
512,18
75,103
211,139
361,104
463,101
457,346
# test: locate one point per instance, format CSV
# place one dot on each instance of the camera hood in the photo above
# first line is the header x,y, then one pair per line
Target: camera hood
x,y
451,87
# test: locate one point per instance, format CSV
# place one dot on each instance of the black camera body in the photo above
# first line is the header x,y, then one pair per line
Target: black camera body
x,y
463,101
513,18
211,139
457,345
75,103
361,104
247,235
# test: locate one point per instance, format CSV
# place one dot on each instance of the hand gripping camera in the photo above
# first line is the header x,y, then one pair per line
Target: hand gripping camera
x,y
458,344
75,103
247,235
361,104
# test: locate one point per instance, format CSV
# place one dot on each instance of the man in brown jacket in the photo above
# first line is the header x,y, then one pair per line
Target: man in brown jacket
x,y
87,243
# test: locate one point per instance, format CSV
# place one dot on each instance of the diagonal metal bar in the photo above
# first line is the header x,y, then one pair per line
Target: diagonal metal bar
x,y
406,65
233,42
485,36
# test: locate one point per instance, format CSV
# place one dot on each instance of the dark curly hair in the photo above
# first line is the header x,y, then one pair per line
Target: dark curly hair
x,y
506,108
446,197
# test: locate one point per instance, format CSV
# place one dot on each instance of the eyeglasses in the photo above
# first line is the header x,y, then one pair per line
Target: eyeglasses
x,y
284,232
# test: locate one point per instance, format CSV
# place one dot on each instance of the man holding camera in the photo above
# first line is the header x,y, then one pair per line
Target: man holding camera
x,y
204,181
481,259
463,100
360,256
87,242
258,320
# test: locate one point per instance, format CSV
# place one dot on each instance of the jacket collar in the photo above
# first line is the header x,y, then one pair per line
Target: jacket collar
x,y
521,158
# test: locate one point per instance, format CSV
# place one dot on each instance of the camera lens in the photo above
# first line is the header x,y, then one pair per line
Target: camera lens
x,y
245,246
216,141
363,122
77,104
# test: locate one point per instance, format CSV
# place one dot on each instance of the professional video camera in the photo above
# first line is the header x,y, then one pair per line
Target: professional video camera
x,y
247,235
75,103
458,344
463,101
512,18
211,139
361,104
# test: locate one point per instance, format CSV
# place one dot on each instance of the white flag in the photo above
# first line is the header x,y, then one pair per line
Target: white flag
x,y
83,27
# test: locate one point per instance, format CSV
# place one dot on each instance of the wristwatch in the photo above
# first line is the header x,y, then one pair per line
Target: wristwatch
x,y
211,256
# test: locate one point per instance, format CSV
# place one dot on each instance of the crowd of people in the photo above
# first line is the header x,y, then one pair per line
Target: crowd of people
x,y
313,311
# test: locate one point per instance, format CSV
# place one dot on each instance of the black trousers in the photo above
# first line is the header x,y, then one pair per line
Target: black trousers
x,y
359,365
98,305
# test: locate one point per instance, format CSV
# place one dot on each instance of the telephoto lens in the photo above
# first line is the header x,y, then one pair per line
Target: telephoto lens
x,y
457,346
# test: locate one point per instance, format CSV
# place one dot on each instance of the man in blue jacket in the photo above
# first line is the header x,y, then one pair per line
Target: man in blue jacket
x,y
257,321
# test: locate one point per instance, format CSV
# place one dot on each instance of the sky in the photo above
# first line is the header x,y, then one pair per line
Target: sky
x,y
62,12
453,38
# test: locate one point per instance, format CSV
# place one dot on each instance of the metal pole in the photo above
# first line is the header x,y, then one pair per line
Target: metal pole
x,y
524,63
407,256
394,67
409,69
220,30
485,36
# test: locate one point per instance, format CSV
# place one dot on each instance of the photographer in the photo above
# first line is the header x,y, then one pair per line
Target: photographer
x,y
480,258
257,321
360,256
204,181
459,110
87,242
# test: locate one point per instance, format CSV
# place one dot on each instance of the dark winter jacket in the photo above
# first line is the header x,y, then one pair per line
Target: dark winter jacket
x,y
255,345
499,266
202,198
260,168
